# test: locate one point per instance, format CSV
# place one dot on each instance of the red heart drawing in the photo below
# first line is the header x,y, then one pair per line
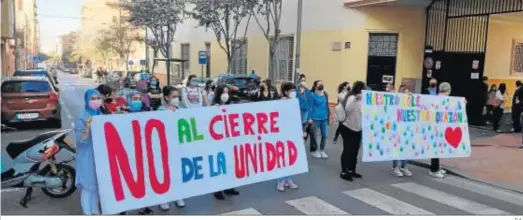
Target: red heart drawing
x,y
453,136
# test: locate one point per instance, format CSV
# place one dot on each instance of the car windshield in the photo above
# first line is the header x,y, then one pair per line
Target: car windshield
x,y
25,86
34,73
239,82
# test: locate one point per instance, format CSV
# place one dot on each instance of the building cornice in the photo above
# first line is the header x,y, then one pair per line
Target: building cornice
x,y
362,3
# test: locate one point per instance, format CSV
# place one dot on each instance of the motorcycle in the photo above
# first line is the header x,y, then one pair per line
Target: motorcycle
x,y
32,163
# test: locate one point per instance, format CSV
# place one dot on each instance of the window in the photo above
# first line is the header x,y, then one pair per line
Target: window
x,y
517,58
186,54
284,59
239,59
25,87
383,45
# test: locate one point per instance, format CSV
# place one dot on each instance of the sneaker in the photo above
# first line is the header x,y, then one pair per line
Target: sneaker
x,y
280,187
442,171
290,184
406,171
146,211
231,192
164,207
436,174
345,176
521,147
219,195
180,203
499,131
396,172
316,154
355,175
324,155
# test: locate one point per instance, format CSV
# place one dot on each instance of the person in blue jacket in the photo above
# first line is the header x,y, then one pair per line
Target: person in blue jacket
x,y
85,169
319,115
304,97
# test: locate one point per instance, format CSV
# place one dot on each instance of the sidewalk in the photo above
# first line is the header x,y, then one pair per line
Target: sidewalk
x,y
495,160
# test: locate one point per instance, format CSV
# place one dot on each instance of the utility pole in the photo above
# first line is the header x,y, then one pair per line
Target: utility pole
x,y
298,41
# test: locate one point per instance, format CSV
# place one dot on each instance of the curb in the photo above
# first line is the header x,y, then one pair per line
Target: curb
x,y
458,174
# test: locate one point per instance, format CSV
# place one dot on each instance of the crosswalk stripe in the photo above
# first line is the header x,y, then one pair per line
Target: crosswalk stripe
x,y
483,189
248,211
448,199
386,203
314,206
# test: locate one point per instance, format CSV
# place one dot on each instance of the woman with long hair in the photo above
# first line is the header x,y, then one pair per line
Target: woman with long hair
x,y
499,106
343,90
351,132
399,167
154,91
209,90
491,95
222,97
266,91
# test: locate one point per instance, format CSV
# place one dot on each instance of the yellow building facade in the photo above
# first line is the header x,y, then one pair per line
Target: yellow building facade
x,y
7,38
96,16
26,32
336,43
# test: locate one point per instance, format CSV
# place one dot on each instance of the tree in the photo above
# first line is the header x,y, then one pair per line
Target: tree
x,y
160,17
224,17
120,39
270,12
155,45
104,46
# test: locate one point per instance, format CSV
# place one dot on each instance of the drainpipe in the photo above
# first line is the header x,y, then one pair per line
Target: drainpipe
x,y
298,42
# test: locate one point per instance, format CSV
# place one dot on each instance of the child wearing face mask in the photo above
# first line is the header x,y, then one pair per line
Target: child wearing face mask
x,y
222,98
288,91
136,104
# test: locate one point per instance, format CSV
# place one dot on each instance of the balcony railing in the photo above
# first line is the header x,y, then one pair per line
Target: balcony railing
x,y
360,3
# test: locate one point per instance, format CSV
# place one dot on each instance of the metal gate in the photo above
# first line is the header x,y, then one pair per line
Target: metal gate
x,y
456,42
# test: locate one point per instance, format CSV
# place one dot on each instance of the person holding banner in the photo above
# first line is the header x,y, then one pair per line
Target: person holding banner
x,y
305,97
435,167
85,168
351,132
288,91
222,97
402,169
320,115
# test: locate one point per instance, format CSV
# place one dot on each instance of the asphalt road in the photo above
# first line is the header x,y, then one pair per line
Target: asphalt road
x,y
321,190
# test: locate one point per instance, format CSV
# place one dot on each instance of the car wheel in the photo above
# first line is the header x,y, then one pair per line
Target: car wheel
x,y
56,123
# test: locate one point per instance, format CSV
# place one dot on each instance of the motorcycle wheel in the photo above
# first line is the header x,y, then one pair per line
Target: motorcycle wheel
x,y
66,191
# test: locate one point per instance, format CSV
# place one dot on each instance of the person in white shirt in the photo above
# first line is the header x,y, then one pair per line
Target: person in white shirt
x,y
351,132
343,90
499,106
192,95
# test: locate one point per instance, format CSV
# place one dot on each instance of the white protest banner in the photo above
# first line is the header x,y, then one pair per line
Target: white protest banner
x,y
145,159
411,126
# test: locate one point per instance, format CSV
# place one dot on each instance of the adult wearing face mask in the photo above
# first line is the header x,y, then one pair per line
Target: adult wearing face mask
x,y
106,94
435,167
266,92
155,93
209,89
288,91
222,97
319,115
136,104
433,87
192,95
304,96
85,168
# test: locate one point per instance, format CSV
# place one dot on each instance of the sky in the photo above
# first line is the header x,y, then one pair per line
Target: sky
x,y
57,17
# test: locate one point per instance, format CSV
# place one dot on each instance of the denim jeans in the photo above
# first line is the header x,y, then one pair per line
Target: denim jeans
x,y
402,163
323,126
283,179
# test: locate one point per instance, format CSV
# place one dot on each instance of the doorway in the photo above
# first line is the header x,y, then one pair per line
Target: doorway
x,y
381,63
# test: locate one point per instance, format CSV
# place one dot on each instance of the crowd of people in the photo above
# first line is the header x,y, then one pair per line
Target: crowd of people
x,y
315,118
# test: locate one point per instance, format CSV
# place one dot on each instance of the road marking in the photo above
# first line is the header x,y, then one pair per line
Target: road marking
x,y
11,190
314,206
483,189
249,211
450,200
386,203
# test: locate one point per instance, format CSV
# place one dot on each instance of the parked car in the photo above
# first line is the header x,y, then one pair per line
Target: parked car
x,y
30,98
130,81
240,85
54,73
41,73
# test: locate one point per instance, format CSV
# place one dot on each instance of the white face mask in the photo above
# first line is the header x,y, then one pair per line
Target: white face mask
x,y
292,94
224,98
175,101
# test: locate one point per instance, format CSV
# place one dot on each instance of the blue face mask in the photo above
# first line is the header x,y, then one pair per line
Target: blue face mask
x,y
136,106
194,83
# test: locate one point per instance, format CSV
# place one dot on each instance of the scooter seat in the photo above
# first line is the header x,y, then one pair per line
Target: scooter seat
x,y
15,148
